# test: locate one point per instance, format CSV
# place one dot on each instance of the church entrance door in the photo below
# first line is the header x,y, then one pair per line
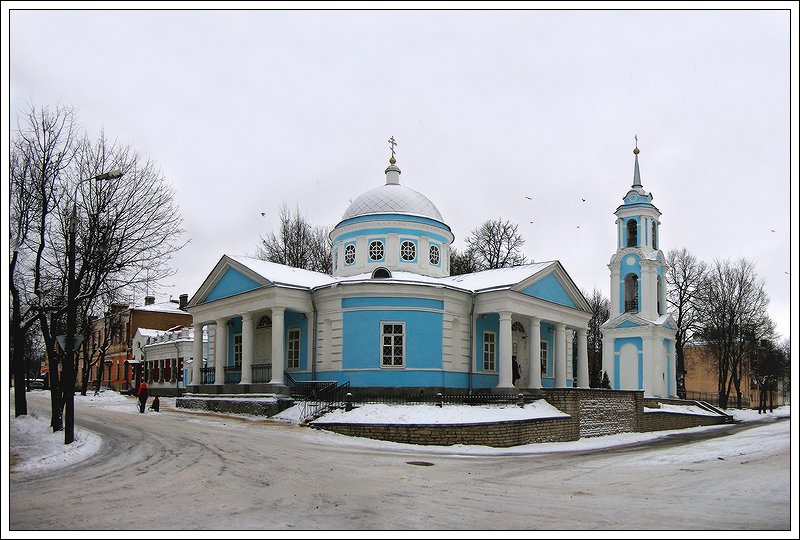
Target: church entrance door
x,y
519,350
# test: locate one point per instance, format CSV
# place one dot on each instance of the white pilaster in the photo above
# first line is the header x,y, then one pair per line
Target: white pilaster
x,y
560,356
583,359
504,340
220,351
534,354
197,355
247,348
278,357
615,305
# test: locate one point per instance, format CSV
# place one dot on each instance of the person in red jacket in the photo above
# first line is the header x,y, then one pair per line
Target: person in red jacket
x,y
142,393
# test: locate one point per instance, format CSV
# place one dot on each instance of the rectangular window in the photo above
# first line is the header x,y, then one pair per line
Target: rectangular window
x,y
393,341
543,358
293,350
489,349
237,350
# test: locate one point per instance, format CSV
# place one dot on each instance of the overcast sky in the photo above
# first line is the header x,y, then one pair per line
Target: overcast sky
x,y
246,110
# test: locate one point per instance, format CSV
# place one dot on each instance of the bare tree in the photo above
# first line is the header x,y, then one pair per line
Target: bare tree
x,y
684,277
463,262
297,243
601,309
42,149
126,229
496,244
768,367
734,307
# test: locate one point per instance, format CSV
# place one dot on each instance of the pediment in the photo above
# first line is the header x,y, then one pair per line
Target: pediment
x,y
553,284
228,278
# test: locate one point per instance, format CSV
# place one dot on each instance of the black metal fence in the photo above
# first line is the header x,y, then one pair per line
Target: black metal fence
x,y
438,398
233,374
207,375
262,373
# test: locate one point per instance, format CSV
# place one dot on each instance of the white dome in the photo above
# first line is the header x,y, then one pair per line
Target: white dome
x,y
392,199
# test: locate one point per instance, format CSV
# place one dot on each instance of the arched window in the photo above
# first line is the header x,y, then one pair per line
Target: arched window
x,y
264,322
659,292
655,238
350,254
381,273
631,293
516,326
632,233
408,251
434,255
376,250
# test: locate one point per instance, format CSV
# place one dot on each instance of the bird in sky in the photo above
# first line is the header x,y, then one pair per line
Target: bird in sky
x,y
529,198
263,214
773,230
584,200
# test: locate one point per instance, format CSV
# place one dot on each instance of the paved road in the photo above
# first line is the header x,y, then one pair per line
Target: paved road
x,y
183,471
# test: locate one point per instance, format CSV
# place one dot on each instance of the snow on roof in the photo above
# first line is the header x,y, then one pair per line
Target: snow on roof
x,y
496,278
282,274
500,278
162,307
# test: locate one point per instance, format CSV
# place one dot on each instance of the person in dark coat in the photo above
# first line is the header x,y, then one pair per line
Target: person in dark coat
x,y
142,393
515,370
155,405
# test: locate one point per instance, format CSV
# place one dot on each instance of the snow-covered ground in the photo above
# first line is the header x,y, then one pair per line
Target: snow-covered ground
x,y
37,447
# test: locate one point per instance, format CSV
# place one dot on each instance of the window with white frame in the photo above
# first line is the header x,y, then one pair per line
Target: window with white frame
x,y
237,350
349,254
293,349
543,357
408,251
434,255
376,250
489,351
393,347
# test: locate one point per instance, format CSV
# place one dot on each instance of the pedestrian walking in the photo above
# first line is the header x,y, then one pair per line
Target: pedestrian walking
x,y
142,393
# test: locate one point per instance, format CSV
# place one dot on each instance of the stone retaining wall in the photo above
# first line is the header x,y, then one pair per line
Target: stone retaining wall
x,y
499,434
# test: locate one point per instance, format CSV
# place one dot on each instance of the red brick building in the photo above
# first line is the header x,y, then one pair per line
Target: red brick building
x,y
114,333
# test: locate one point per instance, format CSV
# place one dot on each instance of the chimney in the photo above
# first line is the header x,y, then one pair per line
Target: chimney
x,y
184,300
149,300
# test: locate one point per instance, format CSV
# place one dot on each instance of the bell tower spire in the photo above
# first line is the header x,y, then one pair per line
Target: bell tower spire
x,y
638,338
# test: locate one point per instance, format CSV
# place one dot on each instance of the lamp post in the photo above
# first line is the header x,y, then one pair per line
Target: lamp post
x,y
68,372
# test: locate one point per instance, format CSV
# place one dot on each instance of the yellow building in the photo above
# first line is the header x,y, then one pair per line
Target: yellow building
x,y
701,380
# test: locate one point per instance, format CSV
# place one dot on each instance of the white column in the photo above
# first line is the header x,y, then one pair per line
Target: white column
x,y
247,348
561,356
197,355
309,341
583,359
504,341
534,353
615,305
278,360
220,351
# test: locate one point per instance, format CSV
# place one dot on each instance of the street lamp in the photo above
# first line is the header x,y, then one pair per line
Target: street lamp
x,y
68,371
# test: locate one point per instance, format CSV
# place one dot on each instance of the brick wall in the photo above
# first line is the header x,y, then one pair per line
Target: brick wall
x,y
596,411
500,434
659,421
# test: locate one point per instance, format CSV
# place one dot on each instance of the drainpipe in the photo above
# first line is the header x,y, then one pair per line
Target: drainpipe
x,y
471,340
314,339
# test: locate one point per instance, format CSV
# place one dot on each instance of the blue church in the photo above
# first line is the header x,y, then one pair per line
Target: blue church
x,y
392,317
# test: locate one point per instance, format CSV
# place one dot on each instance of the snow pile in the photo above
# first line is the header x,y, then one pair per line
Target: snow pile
x,y
376,413
38,447
680,409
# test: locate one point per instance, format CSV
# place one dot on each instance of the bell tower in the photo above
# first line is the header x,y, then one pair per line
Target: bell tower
x,y
638,338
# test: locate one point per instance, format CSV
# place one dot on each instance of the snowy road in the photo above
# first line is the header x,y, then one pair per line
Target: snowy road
x,y
186,471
